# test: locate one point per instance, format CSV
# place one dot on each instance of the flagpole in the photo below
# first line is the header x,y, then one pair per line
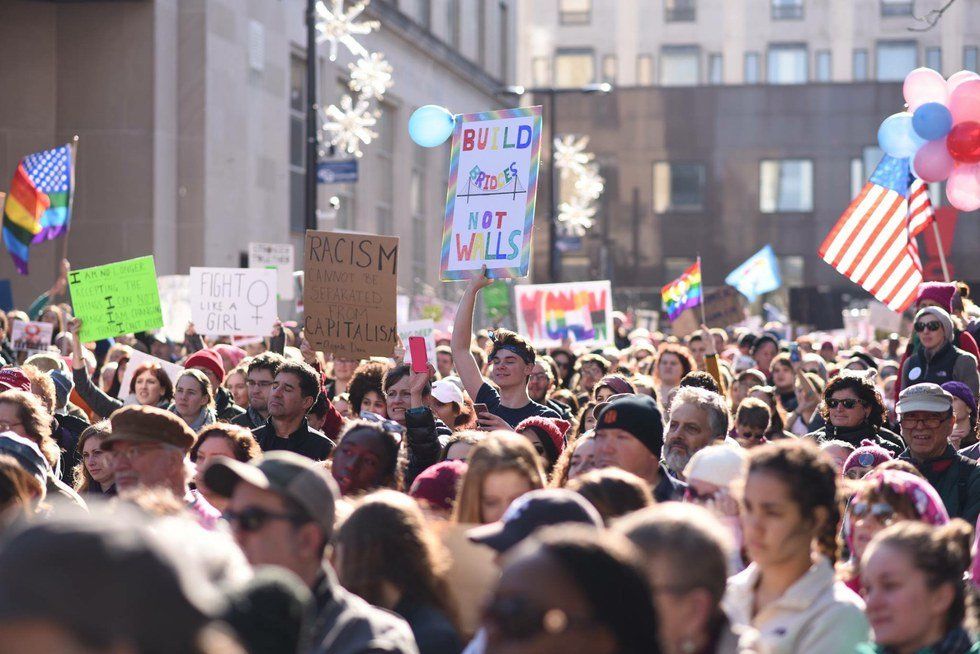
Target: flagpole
x,y
73,147
939,245
701,291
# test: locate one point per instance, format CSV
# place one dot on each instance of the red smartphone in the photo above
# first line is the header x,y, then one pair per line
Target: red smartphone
x,y
420,358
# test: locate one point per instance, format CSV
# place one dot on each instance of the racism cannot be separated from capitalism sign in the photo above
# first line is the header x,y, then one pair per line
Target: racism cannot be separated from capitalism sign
x,y
493,178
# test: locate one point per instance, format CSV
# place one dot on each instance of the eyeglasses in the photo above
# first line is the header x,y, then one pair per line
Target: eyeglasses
x,y
749,436
120,453
516,618
5,426
387,425
251,383
931,326
540,376
880,511
929,423
847,404
253,518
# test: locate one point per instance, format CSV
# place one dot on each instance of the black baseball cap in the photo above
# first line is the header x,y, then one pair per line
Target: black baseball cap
x,y
636,414
530,512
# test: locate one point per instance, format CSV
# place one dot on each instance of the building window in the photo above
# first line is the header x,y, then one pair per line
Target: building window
x,y
823,72
539,71
751,67
385,151
679,65
674,267
934,58
791,270
574,12
680,11
504,42
787,9
897,7
970,58
425,13
678,186
860,65
297,143
452,10
863,166
609,69
895,60
481,33
787,64
574,68
644,70
716,72
416,203
785,185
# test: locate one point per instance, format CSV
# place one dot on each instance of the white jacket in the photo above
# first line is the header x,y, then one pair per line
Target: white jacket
x,y
816,614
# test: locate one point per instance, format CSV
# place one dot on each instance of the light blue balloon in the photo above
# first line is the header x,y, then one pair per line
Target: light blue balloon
x,y
932,121
897,137
431,125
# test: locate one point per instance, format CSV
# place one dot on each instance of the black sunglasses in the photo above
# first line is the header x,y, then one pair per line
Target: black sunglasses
x,y
518,619
931,326
847,404
880,511
254,518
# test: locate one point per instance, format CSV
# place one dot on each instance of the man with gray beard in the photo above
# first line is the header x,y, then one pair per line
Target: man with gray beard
x,y
698,418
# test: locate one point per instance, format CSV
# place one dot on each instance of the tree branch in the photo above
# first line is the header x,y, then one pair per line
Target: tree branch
x,y
931,18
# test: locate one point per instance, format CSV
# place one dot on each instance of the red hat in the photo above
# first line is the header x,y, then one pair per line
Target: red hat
x,y
437,484
939,292
209,359
553,428
14,379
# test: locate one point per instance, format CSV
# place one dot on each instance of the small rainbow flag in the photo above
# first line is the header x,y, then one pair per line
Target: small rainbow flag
x,y
684,292
38,206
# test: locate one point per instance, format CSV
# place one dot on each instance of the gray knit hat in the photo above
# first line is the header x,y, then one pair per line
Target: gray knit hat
x,y
942,316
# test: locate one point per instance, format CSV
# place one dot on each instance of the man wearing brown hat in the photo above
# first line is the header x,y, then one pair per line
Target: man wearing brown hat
x,y
147,447
281,509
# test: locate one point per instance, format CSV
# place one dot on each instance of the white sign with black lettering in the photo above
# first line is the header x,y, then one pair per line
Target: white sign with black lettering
x,y
233,301
278,257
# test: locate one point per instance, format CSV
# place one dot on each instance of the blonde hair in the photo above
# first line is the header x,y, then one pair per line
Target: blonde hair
x,y
499,451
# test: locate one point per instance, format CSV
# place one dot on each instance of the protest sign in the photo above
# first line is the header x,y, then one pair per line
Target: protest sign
x,y
30,337
578,311
496,300
722,307
137,359
175,301
493,178
349,293
278,257
233,301
424,328
117,298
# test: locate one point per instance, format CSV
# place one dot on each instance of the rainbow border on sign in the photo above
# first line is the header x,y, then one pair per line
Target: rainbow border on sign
x,y
520,270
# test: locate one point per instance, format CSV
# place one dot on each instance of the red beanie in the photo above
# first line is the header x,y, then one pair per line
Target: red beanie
x,y
554,428
437,484
939,292
209,359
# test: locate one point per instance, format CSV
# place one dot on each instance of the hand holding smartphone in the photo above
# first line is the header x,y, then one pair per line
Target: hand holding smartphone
x,y
420,358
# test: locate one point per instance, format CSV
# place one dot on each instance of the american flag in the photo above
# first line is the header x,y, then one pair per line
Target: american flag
x,y
873,243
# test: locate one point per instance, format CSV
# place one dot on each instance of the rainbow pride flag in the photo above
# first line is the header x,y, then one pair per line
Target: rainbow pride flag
x,y
684,292
38,205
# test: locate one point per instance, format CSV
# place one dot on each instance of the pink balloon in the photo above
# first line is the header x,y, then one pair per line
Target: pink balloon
x,y
958,78
964,103
924,85
932,162
963,187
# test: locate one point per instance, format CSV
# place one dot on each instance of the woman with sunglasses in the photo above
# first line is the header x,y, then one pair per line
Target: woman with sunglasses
x,y
938,360
572,590
884,498
854,412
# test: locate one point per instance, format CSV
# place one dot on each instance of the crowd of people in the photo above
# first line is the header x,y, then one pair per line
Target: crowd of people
x,y
727,491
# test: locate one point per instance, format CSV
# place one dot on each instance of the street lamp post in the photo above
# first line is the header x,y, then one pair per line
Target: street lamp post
x,y
311,117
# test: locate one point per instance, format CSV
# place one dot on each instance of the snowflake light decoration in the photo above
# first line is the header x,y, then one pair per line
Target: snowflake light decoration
x,y
576,217
590,183
371,76
349,125
339,26
570,154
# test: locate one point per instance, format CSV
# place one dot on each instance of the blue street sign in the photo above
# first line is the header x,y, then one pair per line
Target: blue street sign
x,y
569,244
336,172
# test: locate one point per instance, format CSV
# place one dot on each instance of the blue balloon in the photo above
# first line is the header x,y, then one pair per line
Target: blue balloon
x,y
431,125
932,121
897,137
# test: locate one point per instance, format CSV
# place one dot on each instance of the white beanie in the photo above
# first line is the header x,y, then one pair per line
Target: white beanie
x,y
716,464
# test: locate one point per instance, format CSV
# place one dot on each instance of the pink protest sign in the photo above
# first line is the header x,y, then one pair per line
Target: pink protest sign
x,y
578,311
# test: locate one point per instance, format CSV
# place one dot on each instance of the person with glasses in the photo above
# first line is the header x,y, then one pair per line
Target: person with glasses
x,y
854,412
884,498
282,510
542,382
752,421
938,360
147,447
925,413
259,377
291,396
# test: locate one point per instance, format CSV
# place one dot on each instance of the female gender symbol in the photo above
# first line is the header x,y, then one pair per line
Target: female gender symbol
x,y
261,290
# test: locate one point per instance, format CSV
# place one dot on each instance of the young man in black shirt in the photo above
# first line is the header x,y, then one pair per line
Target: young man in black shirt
x,y
294,391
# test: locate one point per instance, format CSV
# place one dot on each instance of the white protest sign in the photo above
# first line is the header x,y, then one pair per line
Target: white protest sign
x,y
31,337
175,304
424,328
233,301
137,359
578,311
278,257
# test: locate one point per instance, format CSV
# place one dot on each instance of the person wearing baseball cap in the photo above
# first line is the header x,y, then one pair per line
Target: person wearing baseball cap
x,y
14,379
282,509
629,434
209,362
925,413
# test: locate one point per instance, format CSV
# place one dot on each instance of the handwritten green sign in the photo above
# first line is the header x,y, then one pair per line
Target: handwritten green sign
x,y
117,298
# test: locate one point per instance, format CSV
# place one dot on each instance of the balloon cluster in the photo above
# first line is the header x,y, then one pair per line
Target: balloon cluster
x,y
940,133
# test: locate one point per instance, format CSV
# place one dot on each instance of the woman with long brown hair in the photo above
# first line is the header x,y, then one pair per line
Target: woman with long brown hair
x,y
385,552
501,468
94,475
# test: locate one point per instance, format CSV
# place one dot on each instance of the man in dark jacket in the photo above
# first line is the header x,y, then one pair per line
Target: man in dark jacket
x,y
925,413
281,510
259,377
294,391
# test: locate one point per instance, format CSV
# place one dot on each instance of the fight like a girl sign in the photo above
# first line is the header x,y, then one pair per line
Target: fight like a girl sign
x,y
493,178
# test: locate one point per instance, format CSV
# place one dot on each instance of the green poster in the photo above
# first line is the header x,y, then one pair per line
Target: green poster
x,y
117,298
496,299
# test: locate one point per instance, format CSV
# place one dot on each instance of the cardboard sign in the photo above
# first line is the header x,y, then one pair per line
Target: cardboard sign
x,y
117,298
424,328
30,337
233,301
493,178
175,301
278,257
349,293
578,311
722,307
137,359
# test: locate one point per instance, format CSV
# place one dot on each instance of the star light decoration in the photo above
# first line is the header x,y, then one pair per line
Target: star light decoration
x,y
371,76
349,125
339,26
581,173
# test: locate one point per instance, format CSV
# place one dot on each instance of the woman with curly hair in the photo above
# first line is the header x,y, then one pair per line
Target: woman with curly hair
x,y
854,411
220,439
365,389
